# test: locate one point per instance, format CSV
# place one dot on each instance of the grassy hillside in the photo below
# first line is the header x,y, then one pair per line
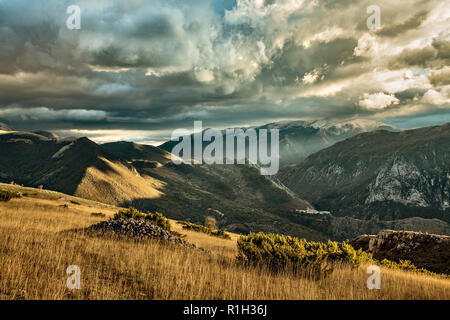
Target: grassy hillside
x,y
237,196
76,166
37,247
130,174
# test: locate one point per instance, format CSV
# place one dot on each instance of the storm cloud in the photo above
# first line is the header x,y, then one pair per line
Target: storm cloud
x,y
147,67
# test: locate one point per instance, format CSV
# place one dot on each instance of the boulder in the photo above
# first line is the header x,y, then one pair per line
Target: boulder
x,y
429,251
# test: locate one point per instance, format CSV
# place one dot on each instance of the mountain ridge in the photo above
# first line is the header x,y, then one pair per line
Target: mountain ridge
x,y
130,174
381,174
301,138
348,178
76,166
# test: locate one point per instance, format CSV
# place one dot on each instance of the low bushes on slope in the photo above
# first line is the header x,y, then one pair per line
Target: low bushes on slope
x,y
314,259
407,265
155,218
6,195
221,233
310,258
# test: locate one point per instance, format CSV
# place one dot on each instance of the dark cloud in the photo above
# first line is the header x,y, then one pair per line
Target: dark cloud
x,y
410,94
396,29
440,77
162,64
415,57
435,55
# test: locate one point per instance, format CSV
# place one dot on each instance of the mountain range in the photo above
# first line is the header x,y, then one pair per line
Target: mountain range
x,y
299,139
130,174
407,171
380,176
338,179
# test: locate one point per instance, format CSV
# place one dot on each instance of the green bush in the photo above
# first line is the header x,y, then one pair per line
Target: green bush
x,y
406,265
309,258
221,233
154,218
314,259
6,195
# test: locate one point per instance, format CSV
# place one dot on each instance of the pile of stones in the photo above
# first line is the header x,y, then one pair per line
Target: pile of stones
x,y
136,229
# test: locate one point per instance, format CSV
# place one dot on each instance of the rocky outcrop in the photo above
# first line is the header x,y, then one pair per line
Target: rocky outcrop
x,y
137,229
343,228
428,251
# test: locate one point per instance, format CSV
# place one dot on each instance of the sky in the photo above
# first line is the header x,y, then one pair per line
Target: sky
x,y
137,70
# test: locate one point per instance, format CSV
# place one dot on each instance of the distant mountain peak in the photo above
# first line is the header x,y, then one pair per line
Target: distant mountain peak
x,y
357,123
362,124
300,138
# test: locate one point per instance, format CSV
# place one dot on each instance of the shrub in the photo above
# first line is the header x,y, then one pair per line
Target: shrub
x,y
408,266
6,195
309,258
315,259
221,233
40,187
154,218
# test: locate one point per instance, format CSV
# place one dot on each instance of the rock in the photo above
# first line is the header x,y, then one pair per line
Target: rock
x,y
137,229
428,251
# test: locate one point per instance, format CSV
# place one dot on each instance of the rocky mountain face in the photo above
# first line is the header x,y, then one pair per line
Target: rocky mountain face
x,y
428,251
299,139
379,175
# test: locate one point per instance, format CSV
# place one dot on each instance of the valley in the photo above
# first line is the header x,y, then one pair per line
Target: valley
x,y
374,177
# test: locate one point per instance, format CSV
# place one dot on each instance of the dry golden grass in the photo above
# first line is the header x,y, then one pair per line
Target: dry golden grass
x,y
117,185
36,249
224,247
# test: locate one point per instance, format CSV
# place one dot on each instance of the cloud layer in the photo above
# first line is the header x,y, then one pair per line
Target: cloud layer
x,y
152,66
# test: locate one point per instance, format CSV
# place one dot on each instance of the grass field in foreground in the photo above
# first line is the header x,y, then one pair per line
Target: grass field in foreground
x,y
35,251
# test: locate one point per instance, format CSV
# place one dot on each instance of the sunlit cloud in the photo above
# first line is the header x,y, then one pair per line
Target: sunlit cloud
x,y
147,66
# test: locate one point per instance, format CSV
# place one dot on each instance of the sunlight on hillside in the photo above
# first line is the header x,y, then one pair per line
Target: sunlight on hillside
x,y
39,246
116,184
